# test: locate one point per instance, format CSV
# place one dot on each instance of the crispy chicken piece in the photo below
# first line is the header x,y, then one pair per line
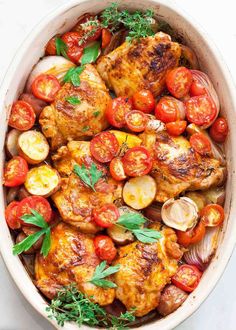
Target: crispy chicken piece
x,y
62,121
145,270
177,167
75,201
71,258
140,65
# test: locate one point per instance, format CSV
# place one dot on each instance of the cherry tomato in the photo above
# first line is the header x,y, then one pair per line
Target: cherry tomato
x,y
212,215
219,130
11,215
117,110
74,51
200,143
37,203
136,121
117,169
104,248
176,128
191,236
91,31
45,87
197,89
104,146
51,46
22,116
187,277
15,172
200,110
178,81
168,109
144,101
137,161
106,215
106,37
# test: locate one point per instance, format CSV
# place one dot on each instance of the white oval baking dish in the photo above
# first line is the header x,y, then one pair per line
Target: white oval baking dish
x,y
61,20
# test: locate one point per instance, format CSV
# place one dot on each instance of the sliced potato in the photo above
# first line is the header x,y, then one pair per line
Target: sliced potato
x,y
12,142
131,140
42,181
215,195
153,212
120,235
198,198
139,192
33,146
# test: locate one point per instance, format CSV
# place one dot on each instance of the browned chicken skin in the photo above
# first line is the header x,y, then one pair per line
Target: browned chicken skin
x,y
139,65
62,121
72,259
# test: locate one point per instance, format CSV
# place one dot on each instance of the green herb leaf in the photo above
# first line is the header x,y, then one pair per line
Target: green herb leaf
x,y
73,74
131,220
146,235
73,100
96,113
28,242
90,53
46,243
35,219
95,174
101,272
61,47
88,176
85,128
104,283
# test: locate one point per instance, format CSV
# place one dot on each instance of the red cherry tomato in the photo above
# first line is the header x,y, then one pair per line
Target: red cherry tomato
x,y
212,215
219,130
74,50
178,81
136,121
45,87
37,203
144,101
89,32
169,109
106,215
106,38
200,110
197,89
137,161
176,127
117,169
22,116
104,248
11,215
117,110
15,172
200,143
104,146
187,277
191,236
51,47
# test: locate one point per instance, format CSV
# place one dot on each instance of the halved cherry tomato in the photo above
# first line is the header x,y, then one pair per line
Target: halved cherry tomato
x,y
219,130
176,127
104,146
136,121
187,277
91,31
200,143
117,169
37,203
11,215
117,110
212,215
51,46
106,37
15,172
22,116
74,51
104,248
200,110
45,87
106,215
197,89
191,236
137,161
144,101
178,81
169,109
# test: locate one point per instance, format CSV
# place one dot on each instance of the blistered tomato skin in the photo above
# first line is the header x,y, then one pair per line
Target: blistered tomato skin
x,y
219,130
105,248
137,161
144,101
22,116
45,87
106,216
104,147
11,215
117,110
179,81
15,172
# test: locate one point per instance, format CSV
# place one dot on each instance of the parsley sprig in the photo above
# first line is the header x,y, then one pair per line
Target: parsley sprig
x,y
101,272
89,176
35,219
90,53
72,75
74,100
61,47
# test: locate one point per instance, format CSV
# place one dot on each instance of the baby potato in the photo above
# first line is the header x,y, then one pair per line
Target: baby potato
x,y
120,235
33,147
12,141
139,192
42,181
198,198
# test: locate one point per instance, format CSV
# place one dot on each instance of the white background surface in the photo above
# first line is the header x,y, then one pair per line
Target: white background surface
x,y
17,17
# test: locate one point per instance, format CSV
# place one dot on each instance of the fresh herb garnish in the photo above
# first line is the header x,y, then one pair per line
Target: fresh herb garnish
x,y
72,75
70,305
61,47
101,272
88,31
73,100
90,53
36,219
96,113
133,222
88,176
85,128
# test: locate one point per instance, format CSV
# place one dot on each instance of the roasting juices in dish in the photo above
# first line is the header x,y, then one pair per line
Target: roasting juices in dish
x,y
115,172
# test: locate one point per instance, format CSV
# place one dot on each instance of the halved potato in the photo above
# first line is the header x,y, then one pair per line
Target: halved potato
x,y
120,235
33,146
42,181
139,192
198,198
215,195
12,142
